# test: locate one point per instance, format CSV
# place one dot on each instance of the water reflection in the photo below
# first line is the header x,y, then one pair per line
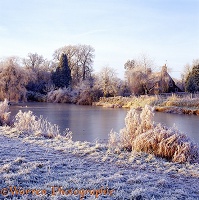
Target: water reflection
x,y
188,124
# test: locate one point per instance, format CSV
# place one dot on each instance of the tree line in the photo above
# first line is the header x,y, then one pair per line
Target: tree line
x,y
34,78
69,77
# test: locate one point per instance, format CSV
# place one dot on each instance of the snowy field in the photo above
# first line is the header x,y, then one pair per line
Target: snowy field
x,y
40,168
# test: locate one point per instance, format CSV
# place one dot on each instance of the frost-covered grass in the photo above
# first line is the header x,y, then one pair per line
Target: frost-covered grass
x,y
38,163
175,100
28,123
127,102
171,104
177,110
4,112
179,105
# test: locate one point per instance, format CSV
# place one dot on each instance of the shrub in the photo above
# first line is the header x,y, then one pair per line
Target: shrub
x,y
4,113
27,123
35,96
85,98
59,96
142,134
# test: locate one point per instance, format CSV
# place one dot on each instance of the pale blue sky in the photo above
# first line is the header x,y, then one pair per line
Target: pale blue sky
x,y
117,29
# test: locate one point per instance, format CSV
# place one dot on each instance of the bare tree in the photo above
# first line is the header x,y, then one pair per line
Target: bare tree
x,y
137,74
34,61
107,81
86,60
41,68
145,62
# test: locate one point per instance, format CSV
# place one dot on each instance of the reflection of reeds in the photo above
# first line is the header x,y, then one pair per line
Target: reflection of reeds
x,y
141,134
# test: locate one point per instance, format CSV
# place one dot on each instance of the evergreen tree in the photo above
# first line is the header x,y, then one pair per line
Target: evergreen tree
x,y
62,76
192,81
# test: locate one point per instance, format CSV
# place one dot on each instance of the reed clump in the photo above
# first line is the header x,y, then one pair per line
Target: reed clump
x,y
142,134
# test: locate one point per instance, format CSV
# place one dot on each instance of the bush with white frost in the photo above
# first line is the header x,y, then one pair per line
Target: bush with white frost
x,y
4,112
59,96
142,134
28,123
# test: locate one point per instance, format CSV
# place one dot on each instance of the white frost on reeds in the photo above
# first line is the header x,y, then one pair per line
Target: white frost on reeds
x,y
142,134
28,123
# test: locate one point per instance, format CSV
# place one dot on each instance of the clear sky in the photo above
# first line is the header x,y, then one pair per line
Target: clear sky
x,y
118,30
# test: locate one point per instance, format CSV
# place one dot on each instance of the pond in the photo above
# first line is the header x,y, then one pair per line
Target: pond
x,y
89,123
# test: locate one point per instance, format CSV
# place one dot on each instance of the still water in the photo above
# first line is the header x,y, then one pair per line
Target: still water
x,y
95,123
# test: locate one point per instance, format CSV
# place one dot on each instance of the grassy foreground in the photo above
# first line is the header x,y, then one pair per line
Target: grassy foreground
x,y
40,168
172,104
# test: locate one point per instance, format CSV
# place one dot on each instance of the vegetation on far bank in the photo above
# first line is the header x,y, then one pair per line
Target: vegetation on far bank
x,y
171,104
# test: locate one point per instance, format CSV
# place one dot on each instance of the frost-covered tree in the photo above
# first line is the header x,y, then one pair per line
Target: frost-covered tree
x,y
40,69
33,61
80,61
107,82
136,74
13,80
62,76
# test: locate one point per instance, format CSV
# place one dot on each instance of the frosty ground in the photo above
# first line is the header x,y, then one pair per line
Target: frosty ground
x,y
39,163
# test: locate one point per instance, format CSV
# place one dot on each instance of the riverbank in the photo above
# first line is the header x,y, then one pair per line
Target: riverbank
x,y
41,164
172,104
